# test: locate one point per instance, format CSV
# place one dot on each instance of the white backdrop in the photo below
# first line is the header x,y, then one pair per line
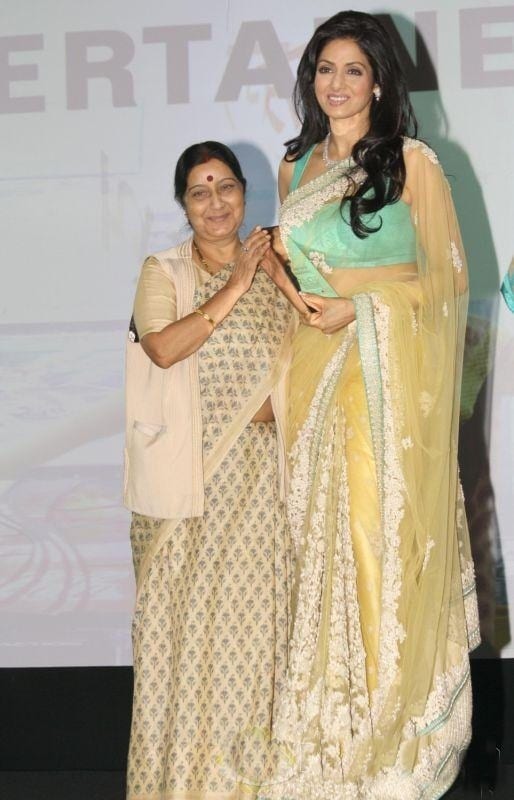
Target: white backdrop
x,y
97,100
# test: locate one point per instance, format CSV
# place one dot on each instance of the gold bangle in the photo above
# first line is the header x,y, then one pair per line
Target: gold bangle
x,y
205,316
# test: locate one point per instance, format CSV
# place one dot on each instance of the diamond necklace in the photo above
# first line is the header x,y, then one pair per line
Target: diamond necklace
x,y
207,266
332,162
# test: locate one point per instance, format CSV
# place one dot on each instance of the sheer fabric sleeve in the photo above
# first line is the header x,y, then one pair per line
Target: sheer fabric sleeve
x,y
155,304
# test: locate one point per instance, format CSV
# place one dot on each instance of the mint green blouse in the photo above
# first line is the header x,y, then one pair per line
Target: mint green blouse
x,y
393,243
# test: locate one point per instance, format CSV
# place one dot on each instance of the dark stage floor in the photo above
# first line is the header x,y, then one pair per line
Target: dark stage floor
x,y
110,786
62,785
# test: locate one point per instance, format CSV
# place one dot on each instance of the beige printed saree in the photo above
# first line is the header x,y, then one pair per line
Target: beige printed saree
x,y
211,618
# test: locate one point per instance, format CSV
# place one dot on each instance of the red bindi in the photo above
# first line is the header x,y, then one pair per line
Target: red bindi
x,y
210,178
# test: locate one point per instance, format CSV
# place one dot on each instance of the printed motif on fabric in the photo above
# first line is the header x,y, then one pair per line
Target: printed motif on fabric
x,y
210,630
241,351
210,627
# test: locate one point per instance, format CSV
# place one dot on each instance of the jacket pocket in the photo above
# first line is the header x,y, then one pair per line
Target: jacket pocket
x,y
149,471
149,429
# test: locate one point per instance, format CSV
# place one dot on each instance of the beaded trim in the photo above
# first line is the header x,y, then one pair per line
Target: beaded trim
x,y
417,144
370,360
303,203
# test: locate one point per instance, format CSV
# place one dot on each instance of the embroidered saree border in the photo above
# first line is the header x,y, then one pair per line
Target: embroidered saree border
x,y
370,361
306,448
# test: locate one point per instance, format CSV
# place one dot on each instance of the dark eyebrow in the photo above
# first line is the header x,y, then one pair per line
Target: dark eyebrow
x,y
348,64
203,186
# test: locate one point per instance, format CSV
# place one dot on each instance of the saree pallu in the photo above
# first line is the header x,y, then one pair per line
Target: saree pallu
x,y
212,613
377,704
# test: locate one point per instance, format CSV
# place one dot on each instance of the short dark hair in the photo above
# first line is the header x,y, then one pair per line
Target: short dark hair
x,y
200,153
379,152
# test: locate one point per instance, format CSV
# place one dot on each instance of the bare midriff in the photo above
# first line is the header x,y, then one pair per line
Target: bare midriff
x,y
346,281
265,412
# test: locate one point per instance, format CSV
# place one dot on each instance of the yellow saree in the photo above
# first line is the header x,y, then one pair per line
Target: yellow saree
x,y
378,698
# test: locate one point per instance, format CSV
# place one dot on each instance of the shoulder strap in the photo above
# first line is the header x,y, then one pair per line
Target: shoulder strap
x,y
299,168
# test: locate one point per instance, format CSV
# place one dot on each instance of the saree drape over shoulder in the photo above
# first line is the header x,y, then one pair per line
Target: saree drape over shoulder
x,y
378,699
211,617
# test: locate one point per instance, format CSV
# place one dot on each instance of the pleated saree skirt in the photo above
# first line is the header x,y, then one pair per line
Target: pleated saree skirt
x,y
210,629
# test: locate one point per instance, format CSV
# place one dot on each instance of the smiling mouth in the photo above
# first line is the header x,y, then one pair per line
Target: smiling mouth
x,y
337,99
219,218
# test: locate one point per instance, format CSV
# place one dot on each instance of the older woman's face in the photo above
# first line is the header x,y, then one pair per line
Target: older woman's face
x,y
214,201
344,82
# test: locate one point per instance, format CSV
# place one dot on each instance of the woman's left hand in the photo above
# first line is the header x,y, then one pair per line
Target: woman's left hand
x,y
273,265
330,313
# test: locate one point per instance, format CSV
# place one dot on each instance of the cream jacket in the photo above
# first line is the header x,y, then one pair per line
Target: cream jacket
x,y
164,475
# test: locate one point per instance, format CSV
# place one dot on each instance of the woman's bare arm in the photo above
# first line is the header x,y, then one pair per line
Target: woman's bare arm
x,y
180,339
285,176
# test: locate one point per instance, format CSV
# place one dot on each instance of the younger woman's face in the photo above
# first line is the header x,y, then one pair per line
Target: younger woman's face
x,y
344,82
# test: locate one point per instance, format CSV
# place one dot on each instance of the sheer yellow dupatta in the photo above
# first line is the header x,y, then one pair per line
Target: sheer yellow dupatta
x,y
384,605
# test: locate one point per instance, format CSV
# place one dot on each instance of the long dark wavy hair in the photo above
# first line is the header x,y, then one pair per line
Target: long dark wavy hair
x,y
200,153
379,152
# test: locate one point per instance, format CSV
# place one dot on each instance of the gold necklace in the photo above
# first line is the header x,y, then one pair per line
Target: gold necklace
x,y
203,262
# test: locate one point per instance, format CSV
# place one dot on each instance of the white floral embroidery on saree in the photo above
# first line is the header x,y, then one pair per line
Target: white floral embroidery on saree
x,y
377,704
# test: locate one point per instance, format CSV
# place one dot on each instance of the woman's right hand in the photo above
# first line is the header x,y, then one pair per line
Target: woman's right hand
x,y
253,249
180,339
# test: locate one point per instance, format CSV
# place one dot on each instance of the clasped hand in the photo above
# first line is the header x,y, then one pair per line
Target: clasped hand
x,y
252,250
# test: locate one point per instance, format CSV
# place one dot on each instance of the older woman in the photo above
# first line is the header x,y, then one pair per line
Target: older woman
x,y
378,697
205,476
